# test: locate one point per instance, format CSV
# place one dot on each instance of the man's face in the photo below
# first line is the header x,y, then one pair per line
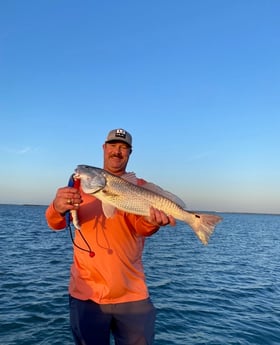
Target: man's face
x,y
116,156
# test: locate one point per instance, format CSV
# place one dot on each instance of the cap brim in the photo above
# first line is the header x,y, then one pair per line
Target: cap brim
x,y
117,141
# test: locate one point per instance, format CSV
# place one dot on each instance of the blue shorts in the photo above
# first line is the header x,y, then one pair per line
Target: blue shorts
x,y
130,323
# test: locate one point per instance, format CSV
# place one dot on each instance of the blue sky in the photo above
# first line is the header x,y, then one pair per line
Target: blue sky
x,y
195,82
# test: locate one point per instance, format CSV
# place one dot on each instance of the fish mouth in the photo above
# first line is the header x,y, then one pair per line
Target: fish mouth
x,y
77,172
76,176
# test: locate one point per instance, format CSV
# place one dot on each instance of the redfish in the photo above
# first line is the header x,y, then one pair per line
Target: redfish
x,y
122,193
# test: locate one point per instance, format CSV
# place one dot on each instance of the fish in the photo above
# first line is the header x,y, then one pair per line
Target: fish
x,y
124,194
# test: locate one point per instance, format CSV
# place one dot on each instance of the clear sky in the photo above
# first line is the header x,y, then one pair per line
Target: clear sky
x,y
196,82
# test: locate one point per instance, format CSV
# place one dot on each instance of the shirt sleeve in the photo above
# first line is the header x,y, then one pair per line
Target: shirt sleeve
x,y
55,220
145,228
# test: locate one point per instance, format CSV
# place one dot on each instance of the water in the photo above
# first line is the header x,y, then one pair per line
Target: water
x,y
225,293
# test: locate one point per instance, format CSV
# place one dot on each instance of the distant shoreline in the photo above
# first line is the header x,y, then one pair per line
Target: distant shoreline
x,y
31,205
3,204
196,211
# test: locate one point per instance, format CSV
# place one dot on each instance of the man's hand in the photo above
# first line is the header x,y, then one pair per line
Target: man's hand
x,y
67,198
159,218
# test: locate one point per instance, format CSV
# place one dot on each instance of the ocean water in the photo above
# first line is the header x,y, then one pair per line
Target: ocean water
x,y
225,293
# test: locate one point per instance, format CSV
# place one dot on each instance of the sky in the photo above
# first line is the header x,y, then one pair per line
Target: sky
x,y
196,83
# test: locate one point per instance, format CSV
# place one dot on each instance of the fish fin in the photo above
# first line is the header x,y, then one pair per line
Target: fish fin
x,y
204,225
168,195
130,177
108,210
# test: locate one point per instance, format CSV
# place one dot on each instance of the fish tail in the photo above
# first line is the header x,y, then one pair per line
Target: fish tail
x,y
204,225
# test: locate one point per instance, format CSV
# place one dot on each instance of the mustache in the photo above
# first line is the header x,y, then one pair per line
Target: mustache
x,y
117,155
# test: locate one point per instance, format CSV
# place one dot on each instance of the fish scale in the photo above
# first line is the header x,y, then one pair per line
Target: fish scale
x,y
138,201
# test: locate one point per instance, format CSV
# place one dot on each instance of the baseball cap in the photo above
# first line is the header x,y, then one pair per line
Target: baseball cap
x,y
119,134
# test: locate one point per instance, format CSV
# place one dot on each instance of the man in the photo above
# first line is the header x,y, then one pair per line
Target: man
x,y
107,291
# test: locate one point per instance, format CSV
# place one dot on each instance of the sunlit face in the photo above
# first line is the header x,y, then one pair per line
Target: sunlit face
x,y
116,156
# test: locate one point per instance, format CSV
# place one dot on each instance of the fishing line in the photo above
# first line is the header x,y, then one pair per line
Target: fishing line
x,y
91,252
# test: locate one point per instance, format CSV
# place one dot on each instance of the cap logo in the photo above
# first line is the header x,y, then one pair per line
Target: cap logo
x,y
120,133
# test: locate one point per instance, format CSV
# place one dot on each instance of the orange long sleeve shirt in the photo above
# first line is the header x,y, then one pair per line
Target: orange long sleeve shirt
x,y
115,274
